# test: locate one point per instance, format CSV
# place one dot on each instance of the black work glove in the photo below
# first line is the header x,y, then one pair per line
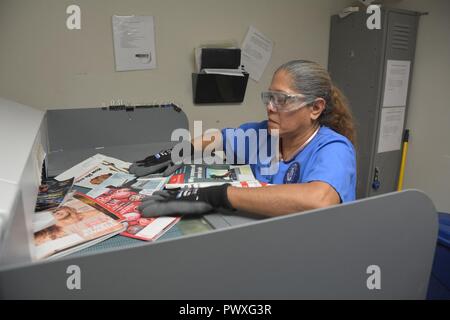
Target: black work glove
x,y
157,163
187,201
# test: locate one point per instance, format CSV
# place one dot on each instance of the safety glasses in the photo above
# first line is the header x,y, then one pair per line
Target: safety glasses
x,y
283,102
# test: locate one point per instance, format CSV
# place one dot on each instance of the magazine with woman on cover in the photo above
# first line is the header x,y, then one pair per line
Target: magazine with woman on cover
x,y
80,222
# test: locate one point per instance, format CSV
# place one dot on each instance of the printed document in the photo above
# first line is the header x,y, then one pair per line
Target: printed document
x,y
256,53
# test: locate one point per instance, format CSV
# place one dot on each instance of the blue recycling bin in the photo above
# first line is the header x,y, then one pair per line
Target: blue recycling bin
x,y
439,286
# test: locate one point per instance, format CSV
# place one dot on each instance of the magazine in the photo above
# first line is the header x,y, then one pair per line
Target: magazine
x,y
51,193
94,171
249,184
80,222
125,201
200,175
149,185
42,220
118,179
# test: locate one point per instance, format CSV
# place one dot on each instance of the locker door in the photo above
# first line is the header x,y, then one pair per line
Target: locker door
x,y
400,45
355,59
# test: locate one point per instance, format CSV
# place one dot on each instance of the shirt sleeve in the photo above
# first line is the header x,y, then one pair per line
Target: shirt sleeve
x,y
335,164
226,143
240,153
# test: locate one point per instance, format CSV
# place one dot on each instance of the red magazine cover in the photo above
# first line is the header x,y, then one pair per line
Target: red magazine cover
x,y
125,202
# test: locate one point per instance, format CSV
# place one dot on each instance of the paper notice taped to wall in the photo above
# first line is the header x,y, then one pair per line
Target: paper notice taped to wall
x,y
256,53
134,42
396,85
391,129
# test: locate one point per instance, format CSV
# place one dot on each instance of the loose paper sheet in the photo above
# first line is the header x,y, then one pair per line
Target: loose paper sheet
x,y
391,129
84,168
256,53
134,42
397,81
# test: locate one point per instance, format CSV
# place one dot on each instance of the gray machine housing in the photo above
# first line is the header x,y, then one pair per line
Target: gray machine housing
x,y
358,63
322,254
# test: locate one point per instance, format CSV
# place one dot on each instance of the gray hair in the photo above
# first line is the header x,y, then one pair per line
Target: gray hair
x,y
310,79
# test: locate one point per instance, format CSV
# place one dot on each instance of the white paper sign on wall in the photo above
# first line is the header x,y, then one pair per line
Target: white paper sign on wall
x,y
134,42
396,85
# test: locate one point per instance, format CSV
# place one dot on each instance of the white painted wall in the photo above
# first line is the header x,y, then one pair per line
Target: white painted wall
x,y
47,66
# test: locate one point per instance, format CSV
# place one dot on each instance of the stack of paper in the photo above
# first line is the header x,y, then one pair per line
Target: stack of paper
x,y
218,60
228,72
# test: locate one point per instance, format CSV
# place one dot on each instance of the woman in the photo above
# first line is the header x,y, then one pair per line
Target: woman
x,y
318,163
65,216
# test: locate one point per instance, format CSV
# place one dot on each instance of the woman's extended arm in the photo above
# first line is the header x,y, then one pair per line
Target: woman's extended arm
x,y
200,143
283,199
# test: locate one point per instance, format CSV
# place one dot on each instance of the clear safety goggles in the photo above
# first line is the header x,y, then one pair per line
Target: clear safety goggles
x,y
283,102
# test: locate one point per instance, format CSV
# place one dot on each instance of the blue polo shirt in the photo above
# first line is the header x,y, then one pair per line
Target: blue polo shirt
x,y
329,157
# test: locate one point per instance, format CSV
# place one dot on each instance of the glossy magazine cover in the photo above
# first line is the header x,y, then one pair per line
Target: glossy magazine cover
x,y
79,220
125,201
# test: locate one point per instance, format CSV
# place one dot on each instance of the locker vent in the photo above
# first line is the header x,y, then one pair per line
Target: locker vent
x,y
400,37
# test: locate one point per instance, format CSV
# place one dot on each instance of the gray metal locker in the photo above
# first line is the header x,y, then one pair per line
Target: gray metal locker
x,y
358,60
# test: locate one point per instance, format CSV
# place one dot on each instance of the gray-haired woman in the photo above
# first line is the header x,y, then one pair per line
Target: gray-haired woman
x,y
316,164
